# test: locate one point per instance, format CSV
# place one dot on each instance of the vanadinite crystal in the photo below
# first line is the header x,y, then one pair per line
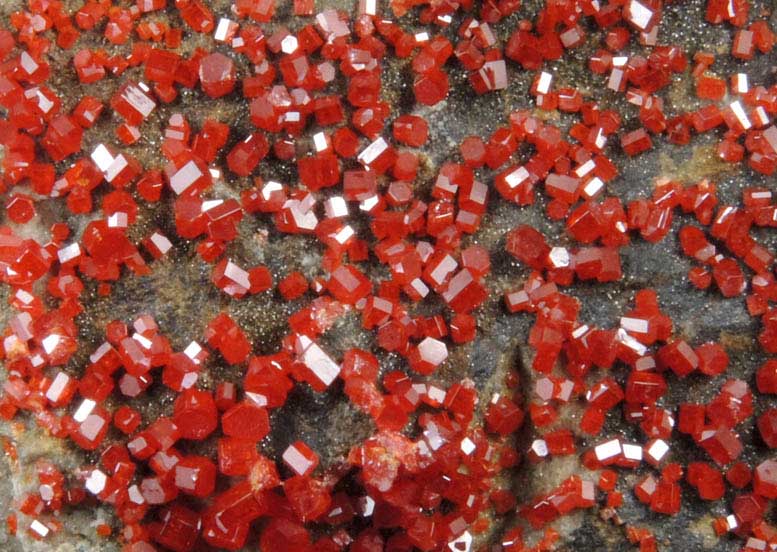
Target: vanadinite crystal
x,y
217,75
266,269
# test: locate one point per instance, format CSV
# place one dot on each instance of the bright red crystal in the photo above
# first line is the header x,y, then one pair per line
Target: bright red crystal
x,y
177,528
348,284
679,357
126,419
62,138
231,278
20,208
217,75
707,480
428,356
245,421
225,335
739,475
528,246
722,444
195,414
733,405
503,416
431,87
293,286
765,479
89,425
636,142
767,427
88,66
133,102
300,458
713,359
245,156
411,130
729,277
284,534
309,498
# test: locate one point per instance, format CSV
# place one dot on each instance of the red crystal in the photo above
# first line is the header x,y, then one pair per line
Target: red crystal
x,y
20,208
195,475
300,458
246,421
636,142
133,102
62,138
528,246
765,479
729,277
195,414
431,87
411,130
707,480
225,335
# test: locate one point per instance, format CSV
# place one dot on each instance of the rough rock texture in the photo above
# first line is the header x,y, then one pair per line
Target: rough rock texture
x,y
180,297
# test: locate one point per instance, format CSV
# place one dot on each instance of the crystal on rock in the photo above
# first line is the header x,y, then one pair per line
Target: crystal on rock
x,y
195,414
637,141
431,87
722,444
133,102
20,208
231,279
655,451
679,357
62,138
195,475
608,452
300,458
428,356
319,171
464,292
161,66
528,245
88,66
503,416
707,480
235,456
765,479
91,423
217,75
411,130
378,156
767,427
348,285
309,498
284,534
245,156
177,529
733,405
729,277
188,175
61,390
319,364
126,419
666,498
224,334
246,421
492,75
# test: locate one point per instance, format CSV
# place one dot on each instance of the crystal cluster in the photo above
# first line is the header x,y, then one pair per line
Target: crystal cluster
x,y
429,476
